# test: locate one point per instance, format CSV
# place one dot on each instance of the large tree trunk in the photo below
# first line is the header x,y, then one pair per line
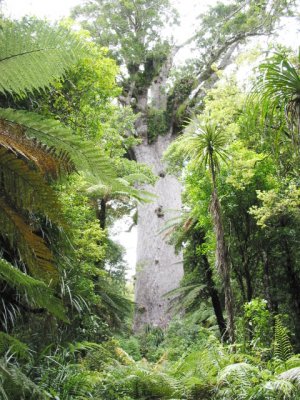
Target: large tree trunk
x,y
159,269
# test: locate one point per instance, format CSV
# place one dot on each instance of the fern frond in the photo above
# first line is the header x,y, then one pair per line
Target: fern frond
x,y
32,248
79,346
8,342
282,346
291,375
281,388
187,296
137,382
86,157
237,372
32,56
36,292
15,384
48,160
26,188
117,305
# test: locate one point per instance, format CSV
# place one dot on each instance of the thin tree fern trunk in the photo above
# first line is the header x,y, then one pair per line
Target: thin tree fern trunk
x,y
223,263
214,295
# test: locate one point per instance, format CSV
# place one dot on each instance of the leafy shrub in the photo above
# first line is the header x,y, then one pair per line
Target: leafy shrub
x,y
254,327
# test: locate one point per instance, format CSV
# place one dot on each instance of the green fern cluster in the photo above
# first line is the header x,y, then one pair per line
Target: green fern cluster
x,y
138,382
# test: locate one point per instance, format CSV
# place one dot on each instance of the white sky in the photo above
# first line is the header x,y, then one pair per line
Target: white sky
x,y
52,10
56,9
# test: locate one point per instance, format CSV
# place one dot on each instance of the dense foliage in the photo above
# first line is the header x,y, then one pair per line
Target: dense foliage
x,y
68,172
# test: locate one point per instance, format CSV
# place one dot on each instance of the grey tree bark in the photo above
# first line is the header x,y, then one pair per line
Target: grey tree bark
x,y
159,269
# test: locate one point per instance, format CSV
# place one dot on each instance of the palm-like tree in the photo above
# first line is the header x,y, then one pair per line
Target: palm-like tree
x,y
205,144
278,87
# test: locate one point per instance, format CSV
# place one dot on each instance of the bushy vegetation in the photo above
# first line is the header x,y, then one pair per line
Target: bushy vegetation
x,y
68,173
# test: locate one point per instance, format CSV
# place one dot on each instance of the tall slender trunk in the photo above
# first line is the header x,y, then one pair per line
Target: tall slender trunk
x,y
248,280
223,261
240,281
214,295
272,304
101,212
294,285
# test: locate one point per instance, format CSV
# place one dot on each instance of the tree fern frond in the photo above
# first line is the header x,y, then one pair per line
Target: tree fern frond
x,y
183,289
26,188
50,162
238,371
36,292
8,342
117,305
184,296
15,384
32,56
32,248
280,388
86,157
291,375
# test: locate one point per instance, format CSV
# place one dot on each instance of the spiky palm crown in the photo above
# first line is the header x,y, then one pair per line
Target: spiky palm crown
x,y
204,143
278,87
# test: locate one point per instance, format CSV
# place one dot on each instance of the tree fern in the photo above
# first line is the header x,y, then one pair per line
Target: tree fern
x,y
26,188
33,150
33,55
85,156
36,292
